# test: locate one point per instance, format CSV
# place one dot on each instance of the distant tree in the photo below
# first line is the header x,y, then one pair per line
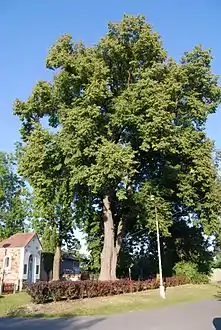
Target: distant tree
x,y
83,262
42,164
14,211
187,244
184,243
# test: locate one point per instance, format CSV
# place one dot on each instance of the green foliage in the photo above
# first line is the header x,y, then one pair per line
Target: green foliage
x,y
42,164
190,270
53,239
183,243
184,268
186,243
200,279
83,262
217,262
49,239
45,241
14,211
126,122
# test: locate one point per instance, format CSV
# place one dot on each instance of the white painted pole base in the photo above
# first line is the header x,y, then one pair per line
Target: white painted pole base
x,y
162,292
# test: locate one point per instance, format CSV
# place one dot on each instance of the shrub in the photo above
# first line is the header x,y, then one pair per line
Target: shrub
x,y
176,281
42,292
39,292
75,290
200,279
58,290
217,263
190,271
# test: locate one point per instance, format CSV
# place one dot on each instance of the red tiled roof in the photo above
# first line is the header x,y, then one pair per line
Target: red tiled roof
x,y
17,240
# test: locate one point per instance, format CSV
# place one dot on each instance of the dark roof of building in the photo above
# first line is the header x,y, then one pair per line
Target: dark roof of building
x,y
17,241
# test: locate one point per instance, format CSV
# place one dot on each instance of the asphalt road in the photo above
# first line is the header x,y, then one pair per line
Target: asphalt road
x,y
204,315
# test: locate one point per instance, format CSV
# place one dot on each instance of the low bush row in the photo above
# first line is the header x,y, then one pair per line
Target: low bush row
x,y
42,292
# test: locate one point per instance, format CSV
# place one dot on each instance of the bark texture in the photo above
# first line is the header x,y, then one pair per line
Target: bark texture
x,y
108,247
112,244
57,264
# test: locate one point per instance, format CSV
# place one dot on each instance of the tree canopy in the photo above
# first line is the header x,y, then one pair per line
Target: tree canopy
x,y
126,122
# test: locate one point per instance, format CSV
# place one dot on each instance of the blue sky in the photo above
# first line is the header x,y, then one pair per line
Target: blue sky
x,y
29,28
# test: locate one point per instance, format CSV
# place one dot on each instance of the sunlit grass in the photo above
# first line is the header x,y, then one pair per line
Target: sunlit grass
x,y
13,301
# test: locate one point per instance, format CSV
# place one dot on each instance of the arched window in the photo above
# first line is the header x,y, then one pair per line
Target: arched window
x,y
7,263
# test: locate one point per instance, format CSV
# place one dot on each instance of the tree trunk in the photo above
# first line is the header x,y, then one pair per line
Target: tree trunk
x,y
116,250
114,264
108,247
112,242
57,264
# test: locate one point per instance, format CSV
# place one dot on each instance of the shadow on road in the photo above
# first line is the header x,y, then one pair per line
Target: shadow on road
x,y
217,323
55,324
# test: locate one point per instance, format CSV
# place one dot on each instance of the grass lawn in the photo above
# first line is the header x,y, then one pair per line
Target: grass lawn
x,y
12,301
19,304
